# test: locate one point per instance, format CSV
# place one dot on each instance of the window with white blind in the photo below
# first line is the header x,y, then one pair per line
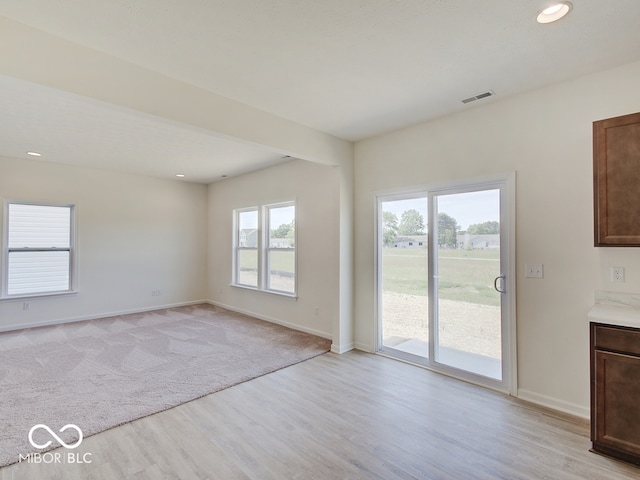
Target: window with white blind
x,y
38,249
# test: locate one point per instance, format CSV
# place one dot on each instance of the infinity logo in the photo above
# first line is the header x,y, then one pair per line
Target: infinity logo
x,y
52,433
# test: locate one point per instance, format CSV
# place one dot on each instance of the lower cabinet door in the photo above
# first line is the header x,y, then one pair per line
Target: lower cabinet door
x,y
617,412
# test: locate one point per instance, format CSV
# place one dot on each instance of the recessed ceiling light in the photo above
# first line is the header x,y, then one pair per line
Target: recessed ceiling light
x,y
180,175
554,12
34,154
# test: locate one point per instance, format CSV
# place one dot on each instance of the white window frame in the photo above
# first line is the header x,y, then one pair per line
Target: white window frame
x,y
507,184
263,249
268,249
237,248
4,276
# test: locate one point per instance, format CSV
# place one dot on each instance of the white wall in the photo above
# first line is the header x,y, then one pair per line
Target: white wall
x,y
135,234
546,137
316,190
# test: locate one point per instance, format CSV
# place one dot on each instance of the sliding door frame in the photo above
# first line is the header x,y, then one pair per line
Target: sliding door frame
x,y
506,183
379,346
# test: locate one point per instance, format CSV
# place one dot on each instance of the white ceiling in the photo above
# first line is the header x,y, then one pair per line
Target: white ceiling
x,y
76,130
351,68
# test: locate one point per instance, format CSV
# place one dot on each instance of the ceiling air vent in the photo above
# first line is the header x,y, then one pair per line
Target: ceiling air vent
x,y
480,96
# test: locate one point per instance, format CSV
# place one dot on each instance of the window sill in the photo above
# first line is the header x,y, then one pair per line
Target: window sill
x,y
270,292
31,296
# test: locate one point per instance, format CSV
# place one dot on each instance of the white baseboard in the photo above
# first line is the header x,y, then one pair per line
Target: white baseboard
x,y
340,349
554,403
364,347
96,316
266,318
526,395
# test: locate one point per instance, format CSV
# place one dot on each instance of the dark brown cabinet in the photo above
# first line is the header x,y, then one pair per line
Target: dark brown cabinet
x,y
616,177
615,391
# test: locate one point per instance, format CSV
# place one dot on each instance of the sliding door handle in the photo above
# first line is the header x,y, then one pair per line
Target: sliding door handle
x,y
495,284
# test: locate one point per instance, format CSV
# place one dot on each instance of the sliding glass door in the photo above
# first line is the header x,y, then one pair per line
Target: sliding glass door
x,y
467,282
445,279
403,278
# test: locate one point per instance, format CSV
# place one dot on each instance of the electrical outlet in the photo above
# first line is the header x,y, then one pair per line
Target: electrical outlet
x,y
533,271
26,306
617,274
156,293
316,311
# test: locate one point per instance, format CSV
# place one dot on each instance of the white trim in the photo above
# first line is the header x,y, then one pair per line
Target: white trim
x,y
448,372
4,245
414,190
236,248
554,403
340,349
262,248
266,247
270,292
510,209
363,347
525,395
266,318
377,269
27,296
506,184
95,316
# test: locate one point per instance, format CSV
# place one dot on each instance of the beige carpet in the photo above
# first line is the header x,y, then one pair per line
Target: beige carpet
x,y
98,374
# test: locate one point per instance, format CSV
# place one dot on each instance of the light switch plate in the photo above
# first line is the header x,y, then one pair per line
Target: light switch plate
x,y
533,271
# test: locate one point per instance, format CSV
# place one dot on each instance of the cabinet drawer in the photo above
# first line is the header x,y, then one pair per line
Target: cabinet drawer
x,y
619,339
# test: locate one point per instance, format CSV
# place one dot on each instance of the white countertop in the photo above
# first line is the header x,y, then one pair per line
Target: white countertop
x,y
624,316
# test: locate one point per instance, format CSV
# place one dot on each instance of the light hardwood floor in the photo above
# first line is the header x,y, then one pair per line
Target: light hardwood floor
x,y
352,416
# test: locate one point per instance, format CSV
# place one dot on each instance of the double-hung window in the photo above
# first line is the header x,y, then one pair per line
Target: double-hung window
x,y
281,248
38,249
247,236
265,248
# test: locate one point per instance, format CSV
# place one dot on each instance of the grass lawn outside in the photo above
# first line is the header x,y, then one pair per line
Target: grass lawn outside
x,y
279,260
468,304
281,265
463,275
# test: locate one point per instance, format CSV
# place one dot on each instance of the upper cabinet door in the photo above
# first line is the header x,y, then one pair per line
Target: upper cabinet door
x,y
616,174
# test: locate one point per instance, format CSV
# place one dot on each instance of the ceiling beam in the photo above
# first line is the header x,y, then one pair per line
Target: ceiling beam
x,y
35,56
